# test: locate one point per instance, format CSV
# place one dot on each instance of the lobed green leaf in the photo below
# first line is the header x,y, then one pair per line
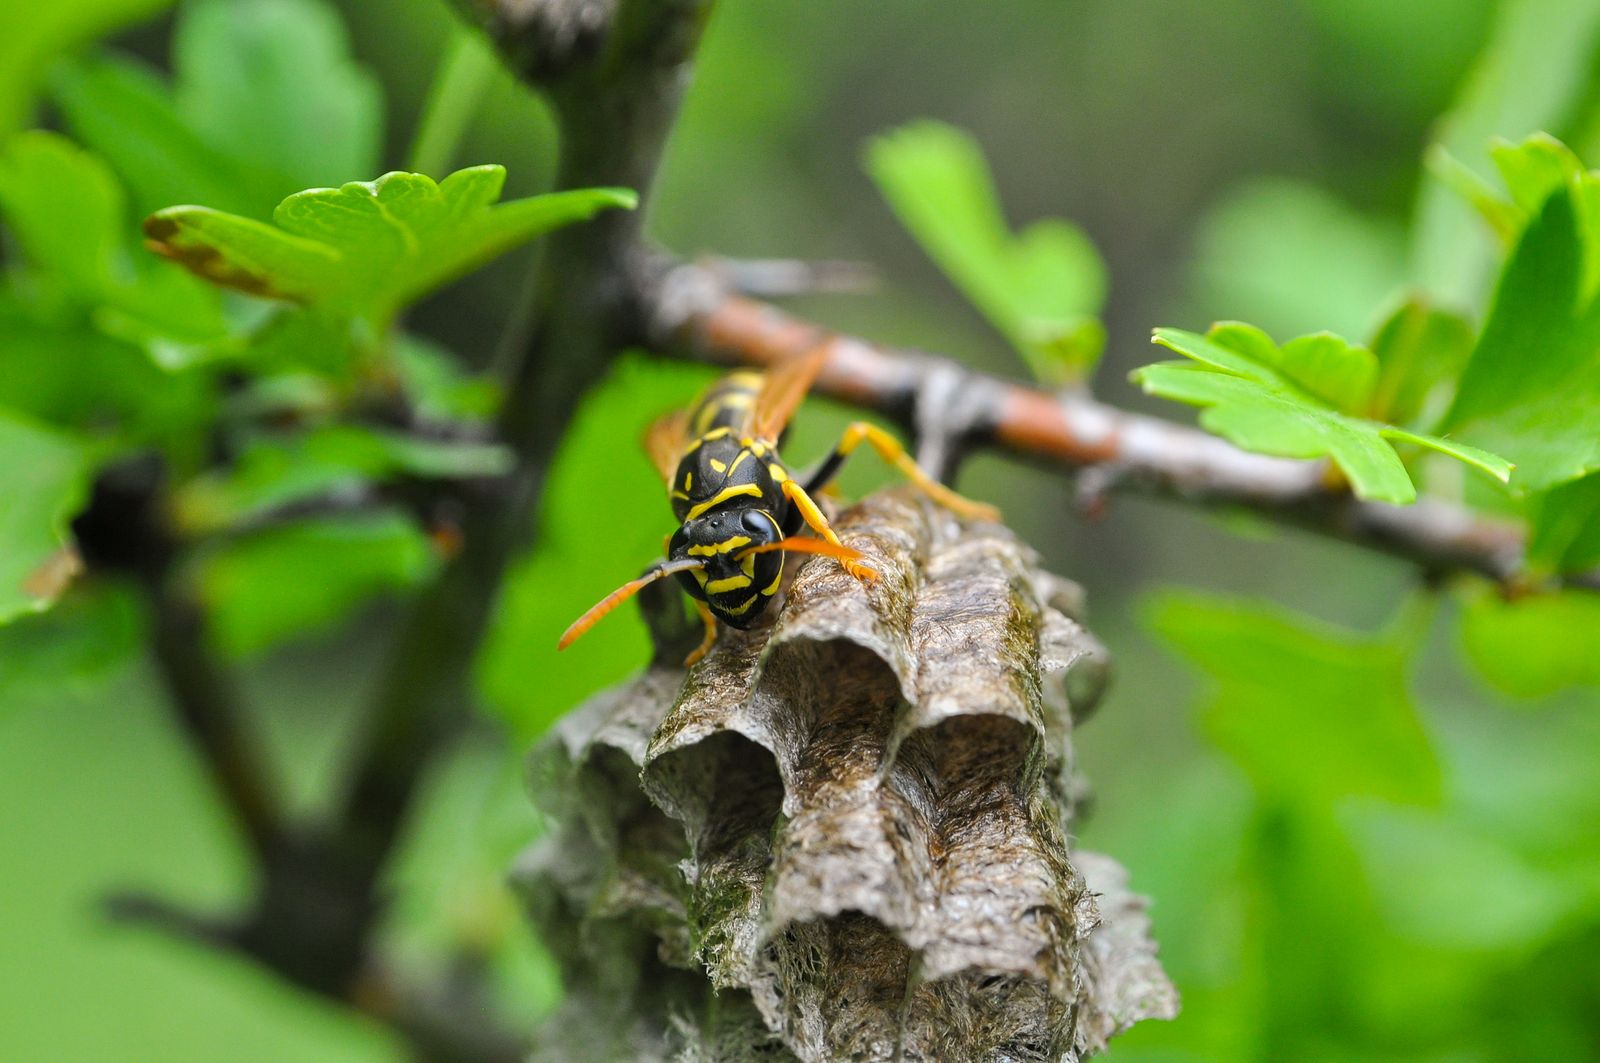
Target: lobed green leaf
x,y
1531,388
1301,401
368,248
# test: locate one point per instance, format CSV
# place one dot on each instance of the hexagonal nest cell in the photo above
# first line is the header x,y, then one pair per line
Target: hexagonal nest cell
x,y
845,834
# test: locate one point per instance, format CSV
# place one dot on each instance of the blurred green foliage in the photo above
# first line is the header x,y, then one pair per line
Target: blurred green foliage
x,y
1310,398
1042,288
44,479
1356,850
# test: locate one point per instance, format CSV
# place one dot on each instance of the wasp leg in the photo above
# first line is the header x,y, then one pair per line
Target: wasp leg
x,y
711,634
890,450
818,523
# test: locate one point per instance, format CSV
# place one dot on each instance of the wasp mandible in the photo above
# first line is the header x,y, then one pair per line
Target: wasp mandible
x,y
740,510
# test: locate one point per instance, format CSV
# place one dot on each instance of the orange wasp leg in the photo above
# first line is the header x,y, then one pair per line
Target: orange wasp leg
x,y
819,524
710,638
892,452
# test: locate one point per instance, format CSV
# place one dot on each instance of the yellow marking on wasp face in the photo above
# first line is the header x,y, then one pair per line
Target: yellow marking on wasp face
x,y
772,588
688,481
719,548
729,583
720,466
721,497
749,566
740,610
777,472
743,454
699,575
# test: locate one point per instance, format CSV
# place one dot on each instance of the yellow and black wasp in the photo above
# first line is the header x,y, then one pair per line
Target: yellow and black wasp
x,y
739,508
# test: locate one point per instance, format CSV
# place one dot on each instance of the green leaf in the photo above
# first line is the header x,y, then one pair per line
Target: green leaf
x,y
1328,367
275,473
303,579
88,635
122,110
1535,646
1530,76
1311,713
1478,192
44,480
1565,527
368,248
439,387
1421,351
66,209
69,375
265,101
1531,389
1041,288
1534,168
1281,402
37,33
271,84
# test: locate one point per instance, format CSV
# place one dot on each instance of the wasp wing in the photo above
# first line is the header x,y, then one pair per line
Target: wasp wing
x,y
665,441
782,391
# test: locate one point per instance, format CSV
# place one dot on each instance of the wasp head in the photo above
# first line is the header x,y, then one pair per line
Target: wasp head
x,y
734,579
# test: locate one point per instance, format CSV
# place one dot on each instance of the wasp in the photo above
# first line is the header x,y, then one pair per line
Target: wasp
x,y
740,510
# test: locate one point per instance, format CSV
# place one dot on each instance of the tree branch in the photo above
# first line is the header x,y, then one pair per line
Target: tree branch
x,y
614,92
691,313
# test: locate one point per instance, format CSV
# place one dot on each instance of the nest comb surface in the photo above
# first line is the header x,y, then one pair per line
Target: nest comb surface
x,y
844,835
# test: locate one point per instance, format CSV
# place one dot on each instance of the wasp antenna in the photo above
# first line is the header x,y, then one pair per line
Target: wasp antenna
x,y
622,594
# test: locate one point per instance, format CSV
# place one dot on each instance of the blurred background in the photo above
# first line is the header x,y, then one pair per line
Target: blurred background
x,y
1230,159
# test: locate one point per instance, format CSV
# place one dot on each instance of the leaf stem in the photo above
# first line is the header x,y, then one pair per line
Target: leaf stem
x,y
458,85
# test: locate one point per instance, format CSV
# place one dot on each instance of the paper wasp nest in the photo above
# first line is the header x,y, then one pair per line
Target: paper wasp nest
x,y
845,835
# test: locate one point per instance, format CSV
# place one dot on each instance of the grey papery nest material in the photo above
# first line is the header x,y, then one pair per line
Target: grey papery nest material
x,y
845,835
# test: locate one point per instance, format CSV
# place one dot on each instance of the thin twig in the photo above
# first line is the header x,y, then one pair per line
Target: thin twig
x,y
691,313
207,703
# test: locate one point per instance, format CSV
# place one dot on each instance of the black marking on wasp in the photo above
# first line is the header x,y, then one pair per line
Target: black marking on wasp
x,y
739,508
